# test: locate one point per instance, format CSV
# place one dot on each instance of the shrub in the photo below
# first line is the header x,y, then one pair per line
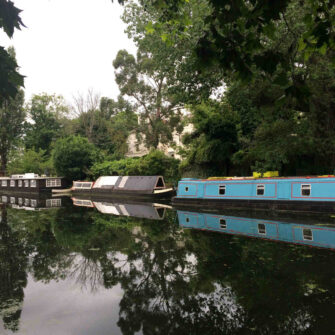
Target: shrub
x,y
155,163
31,161
73,156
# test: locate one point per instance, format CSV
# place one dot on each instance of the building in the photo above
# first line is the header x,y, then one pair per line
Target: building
x,y
137,148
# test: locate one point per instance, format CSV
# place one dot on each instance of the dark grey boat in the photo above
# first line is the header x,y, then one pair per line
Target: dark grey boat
x,y
141,187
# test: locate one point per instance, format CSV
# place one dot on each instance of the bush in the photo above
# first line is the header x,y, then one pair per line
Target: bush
x,y
73,156
155,163
31,161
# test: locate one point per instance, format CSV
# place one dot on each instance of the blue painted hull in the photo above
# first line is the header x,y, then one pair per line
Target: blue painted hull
x,y
288,194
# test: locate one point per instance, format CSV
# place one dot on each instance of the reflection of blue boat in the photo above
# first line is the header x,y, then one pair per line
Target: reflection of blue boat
x,y
311,235
307,194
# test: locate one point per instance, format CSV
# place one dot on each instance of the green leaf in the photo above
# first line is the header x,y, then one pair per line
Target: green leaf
x,y
149,28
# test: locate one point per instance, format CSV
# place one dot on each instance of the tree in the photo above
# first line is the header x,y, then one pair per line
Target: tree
x,y
237,33
73,156
31,161
162,77
46,113
214,140
10,79
12,115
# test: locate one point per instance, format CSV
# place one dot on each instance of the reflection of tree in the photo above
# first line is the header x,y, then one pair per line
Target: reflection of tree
x,y
174,281
13,277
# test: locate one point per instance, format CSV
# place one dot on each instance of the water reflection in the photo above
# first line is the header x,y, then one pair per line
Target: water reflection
x,y
143,210
155,277
311,235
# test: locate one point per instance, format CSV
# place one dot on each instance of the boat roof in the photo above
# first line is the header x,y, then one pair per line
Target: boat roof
x,y
257,178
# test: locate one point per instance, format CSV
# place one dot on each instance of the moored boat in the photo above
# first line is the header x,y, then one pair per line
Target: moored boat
x,y
297,194
125,186
31,183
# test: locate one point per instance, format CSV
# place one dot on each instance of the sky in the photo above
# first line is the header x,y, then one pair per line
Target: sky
x,y
68,46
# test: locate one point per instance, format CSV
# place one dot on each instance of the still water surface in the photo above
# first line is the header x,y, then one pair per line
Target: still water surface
x,y
127,269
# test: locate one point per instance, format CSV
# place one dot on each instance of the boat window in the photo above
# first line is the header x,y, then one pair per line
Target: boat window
x,y
260,189
223,224
160,183
261,228
33,183
12,183
307,234
161,212
306,190
53,183
186,189
187,219
222,189
53,202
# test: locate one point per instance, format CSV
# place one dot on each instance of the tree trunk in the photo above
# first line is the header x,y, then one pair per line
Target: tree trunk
x,y
3,164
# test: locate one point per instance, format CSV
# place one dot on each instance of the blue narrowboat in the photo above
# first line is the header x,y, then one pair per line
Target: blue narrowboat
x,y
306,194
311,235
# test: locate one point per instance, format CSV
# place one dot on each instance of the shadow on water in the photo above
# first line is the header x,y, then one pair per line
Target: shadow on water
x,y
180,272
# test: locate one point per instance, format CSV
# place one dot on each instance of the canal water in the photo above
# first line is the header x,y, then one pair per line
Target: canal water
x,y
88,267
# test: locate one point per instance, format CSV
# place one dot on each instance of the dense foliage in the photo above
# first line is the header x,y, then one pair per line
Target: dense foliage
x,y
73,156
155,163
10,78
256,80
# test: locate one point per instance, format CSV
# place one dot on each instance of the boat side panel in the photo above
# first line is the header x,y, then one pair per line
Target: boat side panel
x,y
240,190
190,189
278,231
320,190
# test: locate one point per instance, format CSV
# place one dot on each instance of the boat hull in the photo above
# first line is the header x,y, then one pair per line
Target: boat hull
x,y
258,205
108,193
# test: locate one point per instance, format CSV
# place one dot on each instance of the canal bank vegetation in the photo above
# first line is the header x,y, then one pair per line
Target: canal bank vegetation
x,y
258,87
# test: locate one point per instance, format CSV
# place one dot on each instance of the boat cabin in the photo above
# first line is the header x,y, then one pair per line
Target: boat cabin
x,y
31,182
123,184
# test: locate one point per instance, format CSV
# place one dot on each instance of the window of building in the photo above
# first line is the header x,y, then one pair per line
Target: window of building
x,y
12,183
4,183
33,183
33,203
26,202
307,234
4,199
222,189
187,219
26,183
260,189
186,189
306,190
223,224
20,183
12,200
261,228
20,201
53,182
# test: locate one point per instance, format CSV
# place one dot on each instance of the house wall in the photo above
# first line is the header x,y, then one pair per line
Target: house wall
x,y
138,149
